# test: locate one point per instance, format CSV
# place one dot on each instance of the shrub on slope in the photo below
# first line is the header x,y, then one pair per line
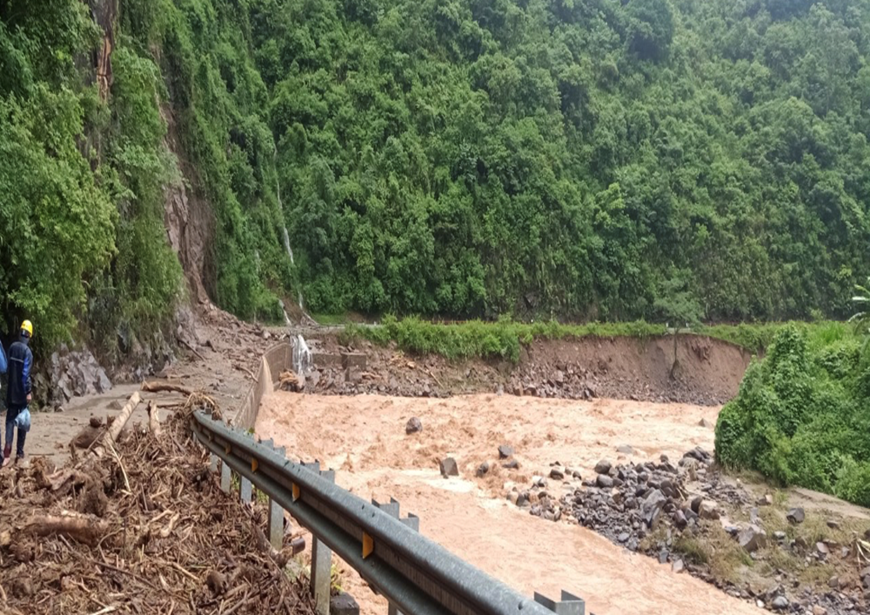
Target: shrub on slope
x,y
802,416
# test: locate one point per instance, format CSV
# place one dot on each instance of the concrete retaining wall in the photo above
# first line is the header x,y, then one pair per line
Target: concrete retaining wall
x,y
276,360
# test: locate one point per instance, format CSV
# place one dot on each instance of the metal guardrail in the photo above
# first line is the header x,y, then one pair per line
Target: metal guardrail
x,y
415,574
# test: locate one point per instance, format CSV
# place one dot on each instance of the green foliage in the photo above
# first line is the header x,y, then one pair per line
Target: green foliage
x,y
83,248
853,481
659,159
801,416
505,338
55,222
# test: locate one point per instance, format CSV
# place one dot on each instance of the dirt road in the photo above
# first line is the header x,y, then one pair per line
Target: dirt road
x,y
364,439
227,354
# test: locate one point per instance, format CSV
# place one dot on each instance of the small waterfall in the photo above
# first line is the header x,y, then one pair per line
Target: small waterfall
x,y
302,359
287,240
286,237
287,320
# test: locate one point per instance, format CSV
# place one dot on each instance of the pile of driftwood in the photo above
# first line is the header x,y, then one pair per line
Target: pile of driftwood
x,y
136,523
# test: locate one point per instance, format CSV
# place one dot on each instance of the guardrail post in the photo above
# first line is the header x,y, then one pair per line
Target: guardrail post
x,y
245,490
412,521
321,557
569,604
226,477
276,525
276,512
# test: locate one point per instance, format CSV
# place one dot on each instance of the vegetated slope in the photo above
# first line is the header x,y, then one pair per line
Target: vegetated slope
x,y
89,167
578,158
587,158
801,416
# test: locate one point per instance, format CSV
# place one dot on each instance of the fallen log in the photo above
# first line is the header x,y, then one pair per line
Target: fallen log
x,y
85,530
111,436
165,387
154,419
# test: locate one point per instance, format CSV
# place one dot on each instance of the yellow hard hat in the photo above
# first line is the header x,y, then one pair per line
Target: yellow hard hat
x,y
27,326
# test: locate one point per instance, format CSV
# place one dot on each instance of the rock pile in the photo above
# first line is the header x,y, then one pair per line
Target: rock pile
x,y
539,498
630,502
625,502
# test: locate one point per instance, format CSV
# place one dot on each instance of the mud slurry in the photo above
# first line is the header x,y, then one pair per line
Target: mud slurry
x,y
364,439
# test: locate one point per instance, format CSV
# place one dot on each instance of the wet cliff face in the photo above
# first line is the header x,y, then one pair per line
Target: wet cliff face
x,y
189,221
105,15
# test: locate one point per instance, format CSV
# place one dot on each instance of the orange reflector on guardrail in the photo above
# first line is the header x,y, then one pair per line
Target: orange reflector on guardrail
x,y
368,545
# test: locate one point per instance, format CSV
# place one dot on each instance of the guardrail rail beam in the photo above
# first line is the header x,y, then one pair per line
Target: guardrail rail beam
x,y
416,575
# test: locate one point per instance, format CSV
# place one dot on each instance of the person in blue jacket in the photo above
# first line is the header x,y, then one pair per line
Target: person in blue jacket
x,y
19,391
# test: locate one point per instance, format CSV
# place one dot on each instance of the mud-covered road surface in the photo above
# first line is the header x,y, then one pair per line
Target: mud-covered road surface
x,y
364,439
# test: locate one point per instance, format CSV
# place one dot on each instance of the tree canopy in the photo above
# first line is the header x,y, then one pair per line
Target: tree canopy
x,y
579,159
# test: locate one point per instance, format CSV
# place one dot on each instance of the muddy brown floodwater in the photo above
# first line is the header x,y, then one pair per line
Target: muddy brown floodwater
x,y
364,439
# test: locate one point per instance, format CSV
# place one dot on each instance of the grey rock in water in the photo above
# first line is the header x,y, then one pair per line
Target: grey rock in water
x,y
414,425
603,467
449,467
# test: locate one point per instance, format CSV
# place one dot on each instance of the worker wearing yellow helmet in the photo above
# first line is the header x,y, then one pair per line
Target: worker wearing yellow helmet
x,y
19,392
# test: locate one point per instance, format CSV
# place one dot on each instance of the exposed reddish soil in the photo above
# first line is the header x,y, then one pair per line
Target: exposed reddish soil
x,y
707,372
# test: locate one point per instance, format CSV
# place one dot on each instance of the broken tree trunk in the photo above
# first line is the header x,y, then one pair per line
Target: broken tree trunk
x,y
111,436
122,418
163,387
82,529
154,419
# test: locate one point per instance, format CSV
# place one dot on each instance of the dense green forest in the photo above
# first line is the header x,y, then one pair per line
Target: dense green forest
x,y
584,159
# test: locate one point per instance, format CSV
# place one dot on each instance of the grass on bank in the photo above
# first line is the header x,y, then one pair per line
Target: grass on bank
x,y
505,338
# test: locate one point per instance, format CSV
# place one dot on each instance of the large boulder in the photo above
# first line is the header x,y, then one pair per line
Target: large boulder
x,y
752,538
603,467
449,467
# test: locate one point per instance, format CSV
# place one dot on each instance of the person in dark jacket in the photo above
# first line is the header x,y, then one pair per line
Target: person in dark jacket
x,y
18,393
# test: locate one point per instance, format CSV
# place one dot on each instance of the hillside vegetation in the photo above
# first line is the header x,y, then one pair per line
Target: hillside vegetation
x,y
802,416
578,159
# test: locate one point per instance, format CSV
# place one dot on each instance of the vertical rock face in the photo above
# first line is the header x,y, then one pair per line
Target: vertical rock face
x,y
75,373
188,220
105,15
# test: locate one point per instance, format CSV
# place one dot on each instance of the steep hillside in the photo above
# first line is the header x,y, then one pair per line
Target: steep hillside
x,y
577,158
